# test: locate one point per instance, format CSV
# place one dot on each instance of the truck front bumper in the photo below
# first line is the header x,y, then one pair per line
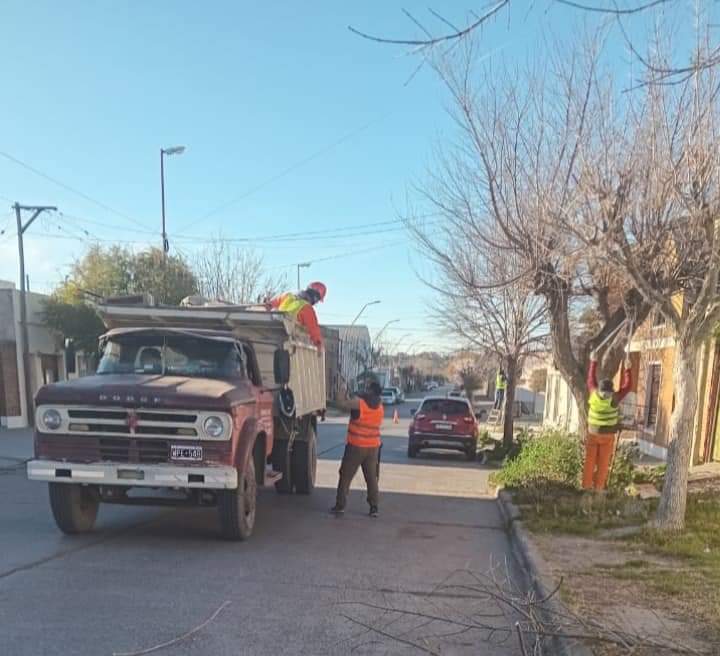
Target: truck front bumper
x,y
131,475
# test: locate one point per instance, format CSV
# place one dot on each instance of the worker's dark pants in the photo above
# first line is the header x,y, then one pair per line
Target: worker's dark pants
x,y
499,398
353,458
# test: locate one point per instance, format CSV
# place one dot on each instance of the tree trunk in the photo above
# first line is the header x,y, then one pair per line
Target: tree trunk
x,y
511,366
671,511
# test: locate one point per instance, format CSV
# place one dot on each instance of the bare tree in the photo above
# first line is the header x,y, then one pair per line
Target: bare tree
x,y
502,188
484,299
652,173
230,273
443,30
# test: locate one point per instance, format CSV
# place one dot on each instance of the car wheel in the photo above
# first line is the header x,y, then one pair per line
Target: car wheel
x,y
74,507
237,507
412,450
471,452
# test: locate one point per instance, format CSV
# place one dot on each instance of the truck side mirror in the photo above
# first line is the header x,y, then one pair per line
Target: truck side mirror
x,y
281,367
70,358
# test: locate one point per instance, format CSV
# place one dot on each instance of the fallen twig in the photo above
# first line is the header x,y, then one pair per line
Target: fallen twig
x,y
175,641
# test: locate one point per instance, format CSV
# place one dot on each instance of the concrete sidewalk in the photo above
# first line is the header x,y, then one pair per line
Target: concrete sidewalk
x,y
16,445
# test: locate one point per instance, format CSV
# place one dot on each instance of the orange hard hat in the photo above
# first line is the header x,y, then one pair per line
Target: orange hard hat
x,y
319,288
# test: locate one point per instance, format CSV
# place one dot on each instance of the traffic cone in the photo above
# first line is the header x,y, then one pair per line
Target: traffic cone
x,y
396,417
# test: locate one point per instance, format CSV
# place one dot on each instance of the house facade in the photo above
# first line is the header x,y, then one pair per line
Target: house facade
x,y
46,356
354,352
649,406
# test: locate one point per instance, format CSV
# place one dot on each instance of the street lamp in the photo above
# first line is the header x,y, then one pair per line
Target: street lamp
x,y
302,265
364,307
377,340
174,150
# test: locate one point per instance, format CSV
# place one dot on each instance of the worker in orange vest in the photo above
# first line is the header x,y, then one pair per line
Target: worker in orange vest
x,y
362,449
300,307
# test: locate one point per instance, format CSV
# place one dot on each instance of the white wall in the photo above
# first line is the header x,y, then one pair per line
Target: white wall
x,y
560,407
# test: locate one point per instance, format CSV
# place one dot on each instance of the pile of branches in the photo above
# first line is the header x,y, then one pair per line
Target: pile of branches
x,y
468,608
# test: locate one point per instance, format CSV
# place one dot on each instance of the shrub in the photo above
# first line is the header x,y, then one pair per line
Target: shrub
x,y
622,473
552,458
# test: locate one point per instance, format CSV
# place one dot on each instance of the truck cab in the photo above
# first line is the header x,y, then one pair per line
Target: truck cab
x,y
191,406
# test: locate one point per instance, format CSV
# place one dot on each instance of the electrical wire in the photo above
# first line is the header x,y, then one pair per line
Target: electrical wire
x,y
72,190
290,169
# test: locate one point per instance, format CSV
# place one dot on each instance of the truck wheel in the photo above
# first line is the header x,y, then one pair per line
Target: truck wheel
x,y
304,463
412,450
284,485
237,507
74,507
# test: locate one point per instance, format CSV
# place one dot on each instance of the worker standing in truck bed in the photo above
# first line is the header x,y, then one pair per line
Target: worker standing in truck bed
x,y
300,307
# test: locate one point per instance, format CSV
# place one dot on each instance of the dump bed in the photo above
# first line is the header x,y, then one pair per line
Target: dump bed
x,y
265,330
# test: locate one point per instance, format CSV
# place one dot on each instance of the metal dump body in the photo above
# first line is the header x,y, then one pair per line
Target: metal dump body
x,y
265,330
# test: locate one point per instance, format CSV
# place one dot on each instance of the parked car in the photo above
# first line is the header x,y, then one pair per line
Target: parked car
x,y
399,394
388,396
442,422
431,385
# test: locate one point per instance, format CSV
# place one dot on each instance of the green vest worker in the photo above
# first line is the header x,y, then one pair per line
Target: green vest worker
x,y
603,424
500,387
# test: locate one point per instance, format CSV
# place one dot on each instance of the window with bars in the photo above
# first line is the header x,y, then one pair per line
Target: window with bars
x,y
653,394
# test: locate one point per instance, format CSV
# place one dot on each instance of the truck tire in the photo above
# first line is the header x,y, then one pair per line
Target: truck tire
x,y
284,485
236,508
412,450
74,507
304,463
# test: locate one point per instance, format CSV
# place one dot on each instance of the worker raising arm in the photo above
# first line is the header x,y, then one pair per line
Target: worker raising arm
x,y
300,307
603,423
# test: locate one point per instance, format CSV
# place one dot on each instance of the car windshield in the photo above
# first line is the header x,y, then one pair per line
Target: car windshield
x,y
171,355
445,407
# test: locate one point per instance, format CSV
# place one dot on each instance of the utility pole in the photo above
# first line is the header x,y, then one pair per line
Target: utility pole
x,y
36,210
301,265
164,152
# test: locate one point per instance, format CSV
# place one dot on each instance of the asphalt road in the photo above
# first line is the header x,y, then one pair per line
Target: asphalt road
x,y
306,583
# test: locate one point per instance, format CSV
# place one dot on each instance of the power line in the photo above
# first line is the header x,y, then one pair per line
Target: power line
x,y
90,199
342,232
290,169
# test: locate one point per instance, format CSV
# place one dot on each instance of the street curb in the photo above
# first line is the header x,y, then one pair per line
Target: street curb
x,y
527,554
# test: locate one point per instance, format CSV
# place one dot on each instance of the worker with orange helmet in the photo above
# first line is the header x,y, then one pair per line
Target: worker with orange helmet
x,y
300,307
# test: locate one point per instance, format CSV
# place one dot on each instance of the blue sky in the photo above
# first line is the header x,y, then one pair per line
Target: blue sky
x,y
291,124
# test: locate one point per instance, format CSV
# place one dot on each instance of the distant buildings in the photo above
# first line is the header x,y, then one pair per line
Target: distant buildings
x,y
46,361
355,348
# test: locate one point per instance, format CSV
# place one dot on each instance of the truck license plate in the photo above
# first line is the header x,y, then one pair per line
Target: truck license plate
x,y
186,452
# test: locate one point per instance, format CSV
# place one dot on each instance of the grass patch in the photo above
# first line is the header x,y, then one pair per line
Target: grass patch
x,y
579,513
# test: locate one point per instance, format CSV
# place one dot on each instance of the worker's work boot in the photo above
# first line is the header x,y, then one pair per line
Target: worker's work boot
x,y
337,510
374,511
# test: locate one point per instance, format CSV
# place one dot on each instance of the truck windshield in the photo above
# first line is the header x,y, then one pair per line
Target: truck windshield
x,y
172,356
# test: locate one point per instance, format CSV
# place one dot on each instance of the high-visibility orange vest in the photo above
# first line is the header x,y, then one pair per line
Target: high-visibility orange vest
x,y
291,304
365,430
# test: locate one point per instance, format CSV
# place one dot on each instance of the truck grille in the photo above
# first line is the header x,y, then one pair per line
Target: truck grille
x,y
140,422
91,448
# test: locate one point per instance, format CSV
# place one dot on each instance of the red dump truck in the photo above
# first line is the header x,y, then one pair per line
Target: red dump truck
x,y
189,405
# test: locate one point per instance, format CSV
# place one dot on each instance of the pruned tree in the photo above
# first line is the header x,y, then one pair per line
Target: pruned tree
x,y
228,272
500,189
652,172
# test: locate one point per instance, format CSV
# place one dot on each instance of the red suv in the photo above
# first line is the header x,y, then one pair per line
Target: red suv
x,y
443,423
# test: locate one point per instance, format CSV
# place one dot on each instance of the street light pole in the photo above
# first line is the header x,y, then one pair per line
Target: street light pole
x,y
377,339
364,307
21,228
301,265
175,150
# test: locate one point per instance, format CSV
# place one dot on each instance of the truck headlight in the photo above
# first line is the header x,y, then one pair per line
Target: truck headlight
x,y
213,426
51,419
